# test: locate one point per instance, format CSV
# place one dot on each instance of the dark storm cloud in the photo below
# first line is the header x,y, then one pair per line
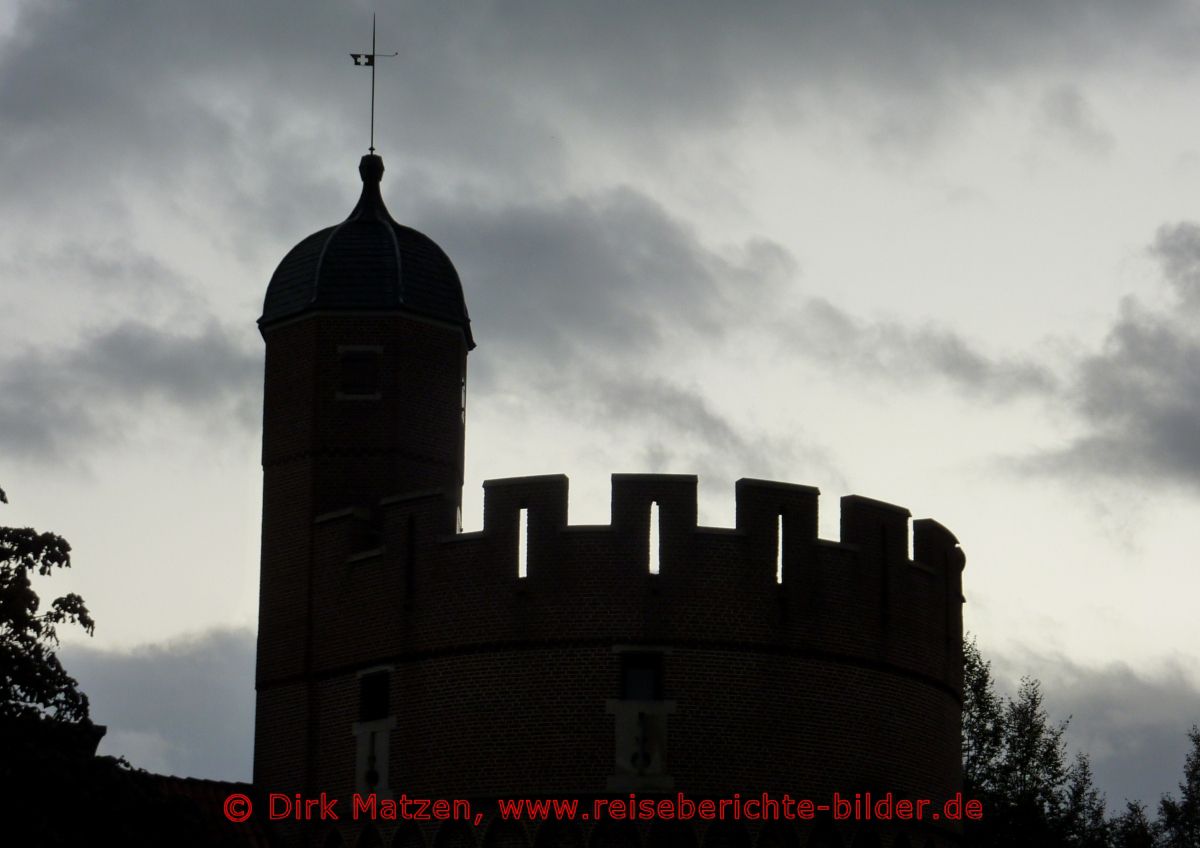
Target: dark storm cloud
x,y
894,352
661,65
582,291
220,103
1139,396
167,94
185,707
615,272
222,109
557,280
53,404
572,297
1132,722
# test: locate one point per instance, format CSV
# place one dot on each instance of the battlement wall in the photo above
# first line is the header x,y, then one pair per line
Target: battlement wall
x,y
398,570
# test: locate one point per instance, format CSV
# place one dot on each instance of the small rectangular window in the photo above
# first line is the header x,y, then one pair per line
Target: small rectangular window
x,y
641,677
373,696
359,373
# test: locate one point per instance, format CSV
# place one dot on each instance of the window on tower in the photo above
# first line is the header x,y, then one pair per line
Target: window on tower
x,y
359,372
372,732
640,722
641,676
373,696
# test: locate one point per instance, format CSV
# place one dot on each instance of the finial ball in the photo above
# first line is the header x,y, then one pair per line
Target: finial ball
x,y
370,168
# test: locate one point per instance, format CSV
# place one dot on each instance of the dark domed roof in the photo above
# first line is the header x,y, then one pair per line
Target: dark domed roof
x,y
367,262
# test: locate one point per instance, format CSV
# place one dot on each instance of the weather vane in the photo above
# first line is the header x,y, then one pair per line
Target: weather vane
x,y
368,59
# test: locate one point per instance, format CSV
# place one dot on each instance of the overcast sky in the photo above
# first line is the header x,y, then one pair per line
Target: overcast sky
x,y
944,254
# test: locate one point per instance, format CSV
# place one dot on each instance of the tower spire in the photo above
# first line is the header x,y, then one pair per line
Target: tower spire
x,y
368,60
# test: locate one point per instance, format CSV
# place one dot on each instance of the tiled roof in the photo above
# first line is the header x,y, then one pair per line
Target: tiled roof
x,y
368,262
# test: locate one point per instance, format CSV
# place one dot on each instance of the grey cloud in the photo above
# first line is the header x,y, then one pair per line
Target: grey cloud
x,y
185,707
1133,723
680,430
106,263
215,102
1140,400
1177,248
581,292
895,352
118,271
614,272
179,95
1066,112
683,63
52,404
559,280
1139,396
225,107
673,415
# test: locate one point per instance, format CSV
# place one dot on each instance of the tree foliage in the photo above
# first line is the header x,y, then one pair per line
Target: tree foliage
x,y
1133,829
1015,763
1179,821
983,725
1083,824
33,683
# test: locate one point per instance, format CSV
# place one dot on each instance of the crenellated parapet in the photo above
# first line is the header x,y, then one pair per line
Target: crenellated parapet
x,y
768,583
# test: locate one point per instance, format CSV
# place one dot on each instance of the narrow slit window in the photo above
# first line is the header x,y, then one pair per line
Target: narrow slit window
x,y
410,561
523,544
654,540
779,549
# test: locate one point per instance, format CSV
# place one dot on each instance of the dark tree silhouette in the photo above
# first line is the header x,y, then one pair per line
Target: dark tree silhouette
x,y
33,683
1033,770
1015,763
1179,821
1083,824
983,727
1132,829
50,776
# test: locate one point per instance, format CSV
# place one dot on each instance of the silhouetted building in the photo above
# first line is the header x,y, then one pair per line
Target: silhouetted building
x,y
399,654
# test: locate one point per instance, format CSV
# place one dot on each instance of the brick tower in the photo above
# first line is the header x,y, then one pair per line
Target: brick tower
x,y
540,659
366,337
